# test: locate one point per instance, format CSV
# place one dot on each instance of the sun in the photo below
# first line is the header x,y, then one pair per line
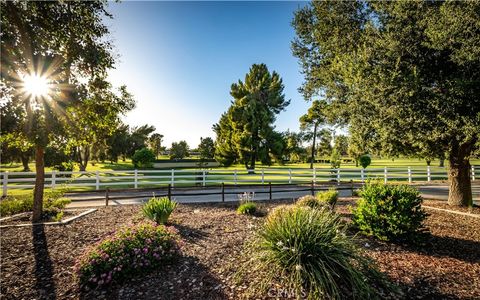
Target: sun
x,y
36,85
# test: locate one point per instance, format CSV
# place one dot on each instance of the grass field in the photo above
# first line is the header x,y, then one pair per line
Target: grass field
x,y
127,165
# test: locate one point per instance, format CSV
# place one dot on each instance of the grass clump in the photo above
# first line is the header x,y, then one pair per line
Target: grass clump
x,y
326,199
247,208
307,251
132,250
159,209
390,212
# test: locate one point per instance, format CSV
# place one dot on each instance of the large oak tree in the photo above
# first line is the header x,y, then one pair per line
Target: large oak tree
x,y
404,73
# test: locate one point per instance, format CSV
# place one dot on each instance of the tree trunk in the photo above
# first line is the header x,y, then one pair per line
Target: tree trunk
x,y
39,184
442,162
84,156
460,189
312,157
25,159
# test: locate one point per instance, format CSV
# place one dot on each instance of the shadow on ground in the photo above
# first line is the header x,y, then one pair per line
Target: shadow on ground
x,y
44,283
185,279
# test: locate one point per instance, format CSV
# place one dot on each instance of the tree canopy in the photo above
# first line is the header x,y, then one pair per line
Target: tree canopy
x,y
404,74
245,132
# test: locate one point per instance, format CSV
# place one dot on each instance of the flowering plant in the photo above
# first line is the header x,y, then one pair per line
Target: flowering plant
x,y
129,251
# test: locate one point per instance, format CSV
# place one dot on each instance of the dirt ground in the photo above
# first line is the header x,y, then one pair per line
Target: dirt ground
x,y
37,263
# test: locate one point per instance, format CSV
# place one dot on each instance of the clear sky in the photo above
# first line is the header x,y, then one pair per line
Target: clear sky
x,y
179,59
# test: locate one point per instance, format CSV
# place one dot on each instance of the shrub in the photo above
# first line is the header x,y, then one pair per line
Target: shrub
x,y
364,160
330,197
130,251
389,212
143,158
307,250
247,208
159,209
53,203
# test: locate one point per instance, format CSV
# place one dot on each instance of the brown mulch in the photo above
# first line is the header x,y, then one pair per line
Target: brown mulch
x,y
444,205
26,218
37,263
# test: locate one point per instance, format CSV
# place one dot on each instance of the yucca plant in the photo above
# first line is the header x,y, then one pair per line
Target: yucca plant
x,y
307,250
159,209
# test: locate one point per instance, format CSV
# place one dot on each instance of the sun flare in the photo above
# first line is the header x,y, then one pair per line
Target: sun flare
x,y
35,85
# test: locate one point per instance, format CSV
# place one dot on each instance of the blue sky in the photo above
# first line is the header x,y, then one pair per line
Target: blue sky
x,y
179,59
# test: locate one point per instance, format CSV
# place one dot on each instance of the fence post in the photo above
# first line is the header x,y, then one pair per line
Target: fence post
x,y
5,183
362,174
97,180
289,175
172,178
136,178
409,175
203,178
312,188
385,174
223,191
338,176
235,176
270,190
314,175
429,178
53,179
473,172
169,193
106,196
263,177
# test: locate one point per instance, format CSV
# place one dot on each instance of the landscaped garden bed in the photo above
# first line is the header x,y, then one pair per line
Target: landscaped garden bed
x,y
39,261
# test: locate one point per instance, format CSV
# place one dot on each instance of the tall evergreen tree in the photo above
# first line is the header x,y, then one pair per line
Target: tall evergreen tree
x,y
246,129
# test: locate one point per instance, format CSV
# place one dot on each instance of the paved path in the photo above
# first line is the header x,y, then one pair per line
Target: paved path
x,y
192,195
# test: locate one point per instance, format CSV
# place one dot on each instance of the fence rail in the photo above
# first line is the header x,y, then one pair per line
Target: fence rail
x,y
204,177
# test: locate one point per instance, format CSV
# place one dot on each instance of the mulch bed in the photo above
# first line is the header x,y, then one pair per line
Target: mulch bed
x,y
26,218
37,262
443,204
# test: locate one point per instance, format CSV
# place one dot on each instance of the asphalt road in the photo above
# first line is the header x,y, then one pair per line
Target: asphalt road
x,y
196,195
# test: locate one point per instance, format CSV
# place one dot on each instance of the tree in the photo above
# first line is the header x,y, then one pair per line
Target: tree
x,y
341,144
294,151
407,72
138,138
47,47
95,117
246,130
179,150
324,146
155,142
365,160
206,148
311,120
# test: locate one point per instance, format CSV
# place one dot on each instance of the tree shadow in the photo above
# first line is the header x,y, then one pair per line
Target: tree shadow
x,y
190,234
188,278
461,249
44,283
422,289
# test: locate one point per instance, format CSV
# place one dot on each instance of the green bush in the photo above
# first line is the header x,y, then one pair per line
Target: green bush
x,y
365,160
247,208
307,251
159,209
143,158
130,251
330,197
53,204
310,201
389,212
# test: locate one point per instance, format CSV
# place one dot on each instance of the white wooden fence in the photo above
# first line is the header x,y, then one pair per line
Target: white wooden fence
x,y
202,177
